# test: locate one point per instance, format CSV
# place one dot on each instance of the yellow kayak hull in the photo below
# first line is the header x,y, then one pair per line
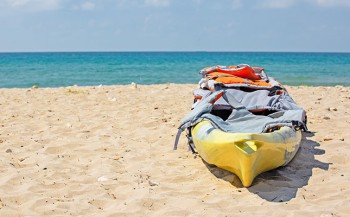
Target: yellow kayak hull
x,y
245,154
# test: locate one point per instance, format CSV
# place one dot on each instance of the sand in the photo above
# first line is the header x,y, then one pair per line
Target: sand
x,y
107,151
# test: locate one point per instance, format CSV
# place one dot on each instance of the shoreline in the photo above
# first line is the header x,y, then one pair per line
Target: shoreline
x,y
132,83
108,151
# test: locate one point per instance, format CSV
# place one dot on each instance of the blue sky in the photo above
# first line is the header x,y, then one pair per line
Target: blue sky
x,y
175,25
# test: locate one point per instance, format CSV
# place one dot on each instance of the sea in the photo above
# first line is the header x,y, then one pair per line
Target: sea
x,y
60,69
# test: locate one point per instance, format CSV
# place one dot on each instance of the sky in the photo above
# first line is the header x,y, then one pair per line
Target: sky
x,y
175,25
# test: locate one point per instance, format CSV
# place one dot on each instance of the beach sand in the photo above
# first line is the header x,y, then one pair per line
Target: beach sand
x,y
107,151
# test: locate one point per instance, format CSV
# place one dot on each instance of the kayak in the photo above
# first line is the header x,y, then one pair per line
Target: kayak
x,y
243,121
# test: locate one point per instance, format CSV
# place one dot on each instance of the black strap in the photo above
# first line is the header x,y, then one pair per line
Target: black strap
x,y
177,138
190,141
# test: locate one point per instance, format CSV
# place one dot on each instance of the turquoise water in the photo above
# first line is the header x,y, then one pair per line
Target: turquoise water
x,y
110,68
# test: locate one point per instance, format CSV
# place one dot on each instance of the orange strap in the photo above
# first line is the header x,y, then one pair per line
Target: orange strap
x,y
243,72
229,79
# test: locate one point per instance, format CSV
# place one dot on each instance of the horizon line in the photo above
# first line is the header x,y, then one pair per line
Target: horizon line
x,y
168,51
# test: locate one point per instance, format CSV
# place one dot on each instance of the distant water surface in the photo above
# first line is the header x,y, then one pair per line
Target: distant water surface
x,y
111,68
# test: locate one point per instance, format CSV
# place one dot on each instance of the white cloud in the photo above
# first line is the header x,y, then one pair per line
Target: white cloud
x,y
158,3
87,6
331,3
278,4
234,4
36,5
